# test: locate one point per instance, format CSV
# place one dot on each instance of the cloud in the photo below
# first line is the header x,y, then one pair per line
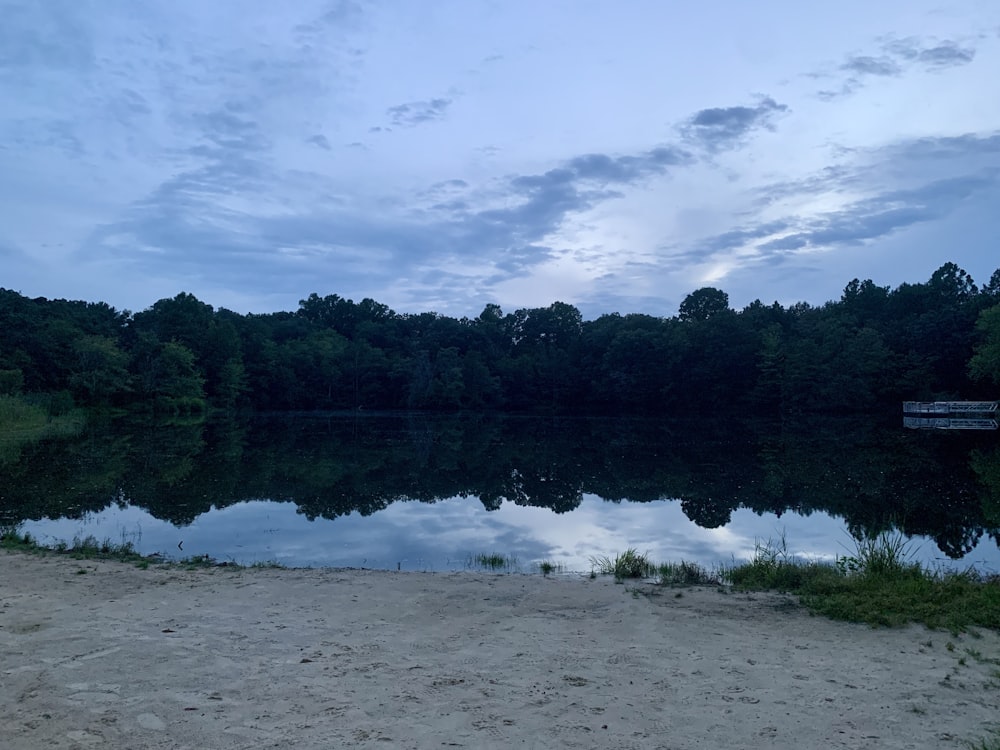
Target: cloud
x,y
895,57
872,66
416,113
948,148
213,221
539,204
48,35
723,128
319,140
946,54
737,238
881,215
339,16
912,182
230,130
626,169
32,134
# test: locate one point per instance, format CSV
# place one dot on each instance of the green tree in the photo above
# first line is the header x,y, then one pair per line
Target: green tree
x,y
101,370
985,363
232,384
952,283
181,386
992,287
703,304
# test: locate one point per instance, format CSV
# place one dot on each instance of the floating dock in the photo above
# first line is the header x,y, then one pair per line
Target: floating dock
x,y
949,407
950,415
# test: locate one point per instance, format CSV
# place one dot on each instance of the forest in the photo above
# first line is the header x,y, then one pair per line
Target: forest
x,y
863,353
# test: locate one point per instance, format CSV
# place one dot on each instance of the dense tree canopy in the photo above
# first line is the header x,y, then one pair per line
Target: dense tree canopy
x,y
869,350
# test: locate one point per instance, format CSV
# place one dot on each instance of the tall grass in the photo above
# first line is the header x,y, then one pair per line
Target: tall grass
x,y
493,561
12,538
685,574
878,583
627,564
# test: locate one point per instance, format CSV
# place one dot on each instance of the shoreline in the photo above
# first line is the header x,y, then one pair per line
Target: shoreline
x,y
96,653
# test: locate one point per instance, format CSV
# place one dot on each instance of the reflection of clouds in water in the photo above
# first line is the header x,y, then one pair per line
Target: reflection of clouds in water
x,y
442,535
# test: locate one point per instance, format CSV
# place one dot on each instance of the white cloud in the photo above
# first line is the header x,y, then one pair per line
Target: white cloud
x,y
260,153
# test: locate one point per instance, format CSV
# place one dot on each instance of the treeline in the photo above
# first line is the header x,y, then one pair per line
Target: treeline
x,y
874,346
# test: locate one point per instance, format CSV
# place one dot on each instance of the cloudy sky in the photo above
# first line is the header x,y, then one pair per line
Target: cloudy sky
x,y
446,154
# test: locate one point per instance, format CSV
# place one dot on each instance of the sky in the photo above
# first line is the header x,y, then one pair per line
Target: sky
x,y
449,154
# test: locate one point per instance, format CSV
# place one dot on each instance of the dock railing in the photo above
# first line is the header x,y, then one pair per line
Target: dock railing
x,y
949,407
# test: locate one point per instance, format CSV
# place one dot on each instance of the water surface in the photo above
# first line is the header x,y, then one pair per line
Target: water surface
x,y
414,492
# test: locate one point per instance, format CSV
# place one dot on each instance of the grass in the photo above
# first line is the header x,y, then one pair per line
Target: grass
x,y
89,548
493,561
685,574
986,743
547,567
630,564
86,548
627,564
878,583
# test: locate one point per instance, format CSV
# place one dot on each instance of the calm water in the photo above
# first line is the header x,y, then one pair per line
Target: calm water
x,y
424,493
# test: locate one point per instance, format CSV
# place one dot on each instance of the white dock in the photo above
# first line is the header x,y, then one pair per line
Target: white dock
x,y
950,407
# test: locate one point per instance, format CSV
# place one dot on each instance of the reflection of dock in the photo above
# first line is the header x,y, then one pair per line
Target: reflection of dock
x,y
950,415
944,423
949,407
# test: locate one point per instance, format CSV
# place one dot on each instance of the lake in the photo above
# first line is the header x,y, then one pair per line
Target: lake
x,y
425,492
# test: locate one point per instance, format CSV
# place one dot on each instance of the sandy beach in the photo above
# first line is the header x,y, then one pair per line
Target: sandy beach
x,y
106,655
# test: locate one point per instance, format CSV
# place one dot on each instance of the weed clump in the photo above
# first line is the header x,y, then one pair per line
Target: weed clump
x,y
627,564
685,574
493,561
547,567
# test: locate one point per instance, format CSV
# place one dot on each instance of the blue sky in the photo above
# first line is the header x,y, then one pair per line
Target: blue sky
x,y
448,154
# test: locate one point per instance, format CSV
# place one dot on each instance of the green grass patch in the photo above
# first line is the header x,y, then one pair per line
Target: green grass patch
x,y
547,567
85,548
878,584
493,561
630,564
685,574
90,548
627,564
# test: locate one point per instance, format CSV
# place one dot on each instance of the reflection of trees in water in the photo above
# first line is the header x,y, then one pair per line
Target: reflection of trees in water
x,y
877,478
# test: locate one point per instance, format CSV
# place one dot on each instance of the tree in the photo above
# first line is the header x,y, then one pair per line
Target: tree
x,y
703,304
865,300
166,375
985,363
992,287
101,369
181,385
952,283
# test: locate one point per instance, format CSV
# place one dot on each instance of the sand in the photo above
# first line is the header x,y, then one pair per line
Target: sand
x,y
105,655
